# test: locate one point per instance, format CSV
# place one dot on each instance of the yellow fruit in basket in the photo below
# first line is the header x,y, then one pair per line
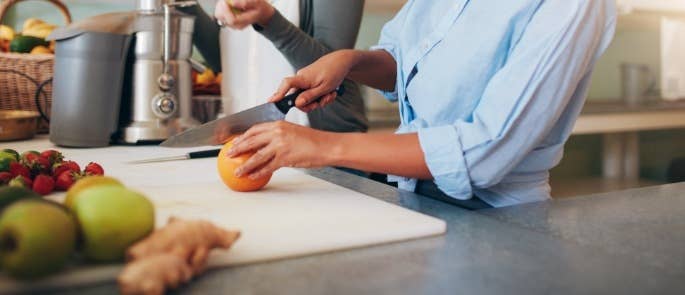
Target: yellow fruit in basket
x,y
39,30
29,23
206,78
7,33
52,46
218,79
41,50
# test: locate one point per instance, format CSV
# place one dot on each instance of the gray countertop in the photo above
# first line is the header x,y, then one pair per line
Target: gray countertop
x,y
647,223
624,243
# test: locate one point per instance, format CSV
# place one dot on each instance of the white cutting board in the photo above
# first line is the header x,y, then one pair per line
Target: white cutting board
x,y
295,215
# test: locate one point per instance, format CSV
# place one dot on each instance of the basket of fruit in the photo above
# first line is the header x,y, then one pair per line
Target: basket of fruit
x,y
26,63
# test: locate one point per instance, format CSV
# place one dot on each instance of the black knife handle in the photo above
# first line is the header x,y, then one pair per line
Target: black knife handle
x,y
204,154
288,102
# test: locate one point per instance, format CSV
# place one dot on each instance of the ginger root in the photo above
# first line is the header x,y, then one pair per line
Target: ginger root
x,y
168,255
154,274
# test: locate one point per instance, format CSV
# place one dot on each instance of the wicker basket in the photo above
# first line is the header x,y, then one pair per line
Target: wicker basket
x,y
25,79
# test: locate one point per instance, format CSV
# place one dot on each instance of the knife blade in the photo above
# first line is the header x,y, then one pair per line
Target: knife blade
x,y
220,131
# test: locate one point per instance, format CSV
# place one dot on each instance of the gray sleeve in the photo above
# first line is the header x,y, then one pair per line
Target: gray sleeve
x,y
206,36
335,25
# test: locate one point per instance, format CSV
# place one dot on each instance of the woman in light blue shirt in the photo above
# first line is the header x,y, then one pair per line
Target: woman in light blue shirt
x,y
488,93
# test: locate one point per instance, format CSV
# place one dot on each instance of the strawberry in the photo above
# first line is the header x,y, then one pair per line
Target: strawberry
x,y
17,169
59,169
53,156
5,177
29,156
21,181
72,166
38,165
94,169
66,180
43,184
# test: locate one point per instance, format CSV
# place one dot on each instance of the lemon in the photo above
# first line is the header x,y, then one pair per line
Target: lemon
x,y
6,33
29,23
39,30
41,50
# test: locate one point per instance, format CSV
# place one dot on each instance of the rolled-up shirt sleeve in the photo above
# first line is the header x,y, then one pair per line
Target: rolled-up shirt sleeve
x,y
389,42
522,102
391,49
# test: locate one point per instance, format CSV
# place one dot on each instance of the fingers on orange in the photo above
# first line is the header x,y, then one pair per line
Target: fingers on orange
x,y
260,159
253,139
266,170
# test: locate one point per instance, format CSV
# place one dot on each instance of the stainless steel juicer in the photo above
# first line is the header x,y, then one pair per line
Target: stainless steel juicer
x,y
124,77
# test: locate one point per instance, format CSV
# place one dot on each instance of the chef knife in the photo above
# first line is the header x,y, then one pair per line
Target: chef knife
x,y
189,156
220,131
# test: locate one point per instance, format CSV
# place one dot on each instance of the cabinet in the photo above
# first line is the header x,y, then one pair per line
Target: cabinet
x,y
652,5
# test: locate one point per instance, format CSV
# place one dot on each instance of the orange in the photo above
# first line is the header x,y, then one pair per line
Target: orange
x,y
227,167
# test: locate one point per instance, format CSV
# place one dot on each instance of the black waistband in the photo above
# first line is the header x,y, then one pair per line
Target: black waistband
x,y
430,189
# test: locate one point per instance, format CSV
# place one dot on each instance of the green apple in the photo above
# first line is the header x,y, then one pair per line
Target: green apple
x,y
111,219
36,238
86,183
11,194
5,160
12,152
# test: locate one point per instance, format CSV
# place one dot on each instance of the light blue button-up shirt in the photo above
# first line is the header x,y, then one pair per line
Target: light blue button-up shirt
x,y
494,87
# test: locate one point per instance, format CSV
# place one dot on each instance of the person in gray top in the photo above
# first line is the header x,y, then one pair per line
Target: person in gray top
x,y
325,26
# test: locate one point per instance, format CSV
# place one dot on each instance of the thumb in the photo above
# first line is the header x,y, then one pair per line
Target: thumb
x,y
289,83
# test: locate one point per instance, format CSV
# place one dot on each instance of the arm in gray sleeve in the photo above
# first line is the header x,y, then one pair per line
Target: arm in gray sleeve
x,y
206,36
327,25
334,25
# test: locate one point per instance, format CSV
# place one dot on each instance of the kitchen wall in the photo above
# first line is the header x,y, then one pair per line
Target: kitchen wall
x,y
636,41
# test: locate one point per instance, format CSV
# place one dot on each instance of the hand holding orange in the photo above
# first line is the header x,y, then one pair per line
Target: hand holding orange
x,y
227,166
